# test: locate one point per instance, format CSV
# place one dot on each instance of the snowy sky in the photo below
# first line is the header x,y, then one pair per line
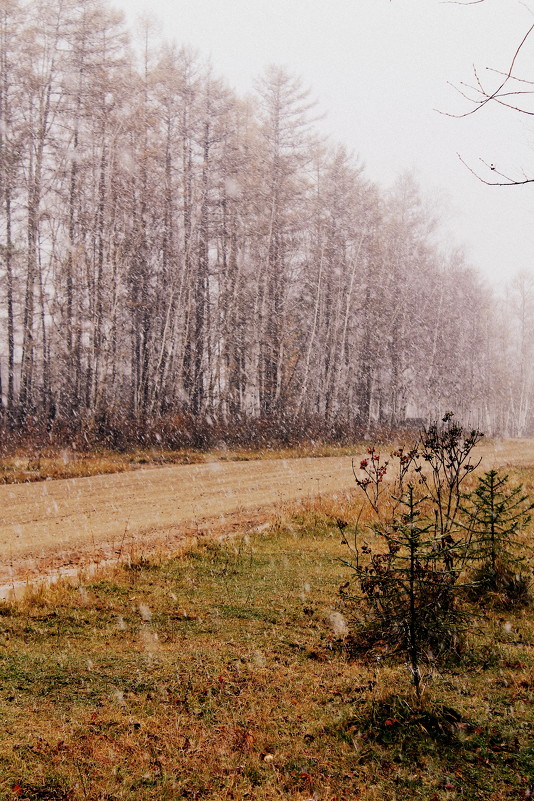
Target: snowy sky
x,y
379,69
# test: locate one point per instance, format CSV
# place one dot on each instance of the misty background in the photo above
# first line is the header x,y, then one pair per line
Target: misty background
x,y
381,71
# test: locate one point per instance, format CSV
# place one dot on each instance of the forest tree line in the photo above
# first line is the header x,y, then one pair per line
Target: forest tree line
x,y
177,258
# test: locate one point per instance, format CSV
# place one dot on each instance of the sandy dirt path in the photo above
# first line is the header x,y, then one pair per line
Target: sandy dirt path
x,y
72,522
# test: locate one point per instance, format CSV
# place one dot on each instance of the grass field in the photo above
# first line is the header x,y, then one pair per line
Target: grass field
x,y
224,674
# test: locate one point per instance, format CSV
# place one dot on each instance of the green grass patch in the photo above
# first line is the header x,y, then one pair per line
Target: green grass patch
x,y
222,674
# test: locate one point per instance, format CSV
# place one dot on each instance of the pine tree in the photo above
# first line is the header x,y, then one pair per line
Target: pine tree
x,y
410,589
410,585
496,515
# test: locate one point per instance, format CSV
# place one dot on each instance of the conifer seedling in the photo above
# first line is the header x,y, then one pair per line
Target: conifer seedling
x,y
496,517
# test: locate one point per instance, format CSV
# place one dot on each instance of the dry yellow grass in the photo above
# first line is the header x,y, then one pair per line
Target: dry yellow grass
x,y
25,467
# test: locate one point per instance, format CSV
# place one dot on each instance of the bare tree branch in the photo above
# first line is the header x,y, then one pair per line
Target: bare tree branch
x,y
507,180
487,97
513,77
482,96
479,97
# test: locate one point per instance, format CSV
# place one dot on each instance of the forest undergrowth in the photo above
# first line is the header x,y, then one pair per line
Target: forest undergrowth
x,y
33,452
226,673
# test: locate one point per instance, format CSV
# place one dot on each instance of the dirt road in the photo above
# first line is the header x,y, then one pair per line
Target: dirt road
x,y
82,520
74,522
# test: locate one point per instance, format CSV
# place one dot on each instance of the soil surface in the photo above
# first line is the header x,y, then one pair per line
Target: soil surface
x,y
71,523
79,521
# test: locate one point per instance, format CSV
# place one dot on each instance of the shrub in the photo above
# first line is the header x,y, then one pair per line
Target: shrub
x,y
409,588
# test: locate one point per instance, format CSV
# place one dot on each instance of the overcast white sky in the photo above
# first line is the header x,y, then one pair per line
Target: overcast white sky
x,y
379,69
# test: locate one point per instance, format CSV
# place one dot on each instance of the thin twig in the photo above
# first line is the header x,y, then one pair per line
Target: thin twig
x,y
508,181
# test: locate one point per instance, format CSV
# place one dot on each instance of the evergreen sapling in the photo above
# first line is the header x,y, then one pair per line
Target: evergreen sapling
x,y
409,601
496,515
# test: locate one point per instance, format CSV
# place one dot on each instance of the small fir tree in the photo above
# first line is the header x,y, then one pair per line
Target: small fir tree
x,y
410,584
409,587
496,515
